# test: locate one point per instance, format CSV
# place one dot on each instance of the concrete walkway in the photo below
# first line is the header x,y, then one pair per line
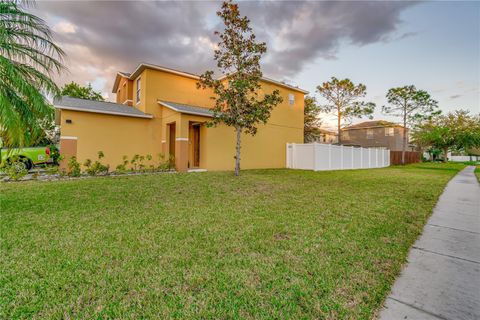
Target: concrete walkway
x,y
442,277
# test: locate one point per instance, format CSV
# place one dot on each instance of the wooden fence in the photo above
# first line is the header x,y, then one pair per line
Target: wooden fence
x,y
410,157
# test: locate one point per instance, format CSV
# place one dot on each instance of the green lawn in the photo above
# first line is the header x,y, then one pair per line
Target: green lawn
x,y
270,244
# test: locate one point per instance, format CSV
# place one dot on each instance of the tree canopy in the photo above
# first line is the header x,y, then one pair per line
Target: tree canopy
x,y
343,97
28,60
312,122
455,131
412,106
237,100
75,90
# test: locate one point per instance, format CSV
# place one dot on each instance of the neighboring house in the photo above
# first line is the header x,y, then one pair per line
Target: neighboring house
x,y
378,133
161,111
327,137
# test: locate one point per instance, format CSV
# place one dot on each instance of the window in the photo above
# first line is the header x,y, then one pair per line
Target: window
x,y
389,132
291,99
138,89
345,135
369,133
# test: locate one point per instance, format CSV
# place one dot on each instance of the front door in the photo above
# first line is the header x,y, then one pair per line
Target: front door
x,y
196,146
171,141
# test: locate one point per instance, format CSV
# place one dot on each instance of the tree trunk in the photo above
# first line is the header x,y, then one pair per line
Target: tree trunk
x,y
445,154
238,130
404,142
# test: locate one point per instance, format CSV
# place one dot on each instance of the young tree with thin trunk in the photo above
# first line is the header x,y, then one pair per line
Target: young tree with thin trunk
x,y
237,102
312,122
343,98
412,106
28,60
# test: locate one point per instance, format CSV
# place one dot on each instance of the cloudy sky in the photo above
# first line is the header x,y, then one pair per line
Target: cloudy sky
x,y
433,45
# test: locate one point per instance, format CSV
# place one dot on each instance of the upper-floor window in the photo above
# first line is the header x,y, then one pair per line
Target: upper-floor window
x,y
389,132
369,133
291,99
138,89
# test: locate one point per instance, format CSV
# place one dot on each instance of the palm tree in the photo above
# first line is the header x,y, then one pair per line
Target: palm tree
x,y
28,61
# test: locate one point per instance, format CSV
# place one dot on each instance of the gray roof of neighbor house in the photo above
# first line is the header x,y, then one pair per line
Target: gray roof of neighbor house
x,y
372,124
188,109
83,105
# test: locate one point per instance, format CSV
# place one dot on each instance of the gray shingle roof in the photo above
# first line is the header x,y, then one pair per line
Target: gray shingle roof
x,y
371,124
69,103
185,108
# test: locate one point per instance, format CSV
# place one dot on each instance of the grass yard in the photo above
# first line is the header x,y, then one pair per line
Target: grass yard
x,y
270,244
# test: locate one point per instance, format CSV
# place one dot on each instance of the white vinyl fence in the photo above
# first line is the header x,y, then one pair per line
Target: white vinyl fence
x,y
316,156
463,158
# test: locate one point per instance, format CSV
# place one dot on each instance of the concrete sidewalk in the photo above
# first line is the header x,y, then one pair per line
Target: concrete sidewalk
x,y
442,277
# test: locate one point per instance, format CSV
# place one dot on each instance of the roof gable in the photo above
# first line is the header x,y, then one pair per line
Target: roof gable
x,y
372,124
142,66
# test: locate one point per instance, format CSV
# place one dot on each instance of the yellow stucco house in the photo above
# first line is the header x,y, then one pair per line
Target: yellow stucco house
x,y
161,111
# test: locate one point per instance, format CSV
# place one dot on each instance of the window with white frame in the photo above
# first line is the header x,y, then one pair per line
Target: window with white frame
x,y
291,99
138,89
369,133
389,132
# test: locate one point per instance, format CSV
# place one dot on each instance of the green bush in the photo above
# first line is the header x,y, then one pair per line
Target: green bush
x,y
96,168
134,162
55,154
122,168
15,168
73,167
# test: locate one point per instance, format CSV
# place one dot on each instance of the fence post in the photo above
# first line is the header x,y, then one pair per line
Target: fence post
x,y
341,157
361,158
329,157
370,157
352,156
288,155
315,156
294,153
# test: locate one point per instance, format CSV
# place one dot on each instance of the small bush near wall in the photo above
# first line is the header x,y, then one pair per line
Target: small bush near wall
x,y
15,168
138,164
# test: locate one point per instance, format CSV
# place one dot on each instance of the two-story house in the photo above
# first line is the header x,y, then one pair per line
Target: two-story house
x,y
378,133
161,111
327,136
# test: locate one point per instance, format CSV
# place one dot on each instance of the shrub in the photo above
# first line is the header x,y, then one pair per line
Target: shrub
x,y
134,162
151,166
165,165
96,167
55,154
14,169
141,165
73,167
122,168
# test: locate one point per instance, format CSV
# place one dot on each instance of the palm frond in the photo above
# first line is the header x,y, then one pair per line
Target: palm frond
x,y
28,60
